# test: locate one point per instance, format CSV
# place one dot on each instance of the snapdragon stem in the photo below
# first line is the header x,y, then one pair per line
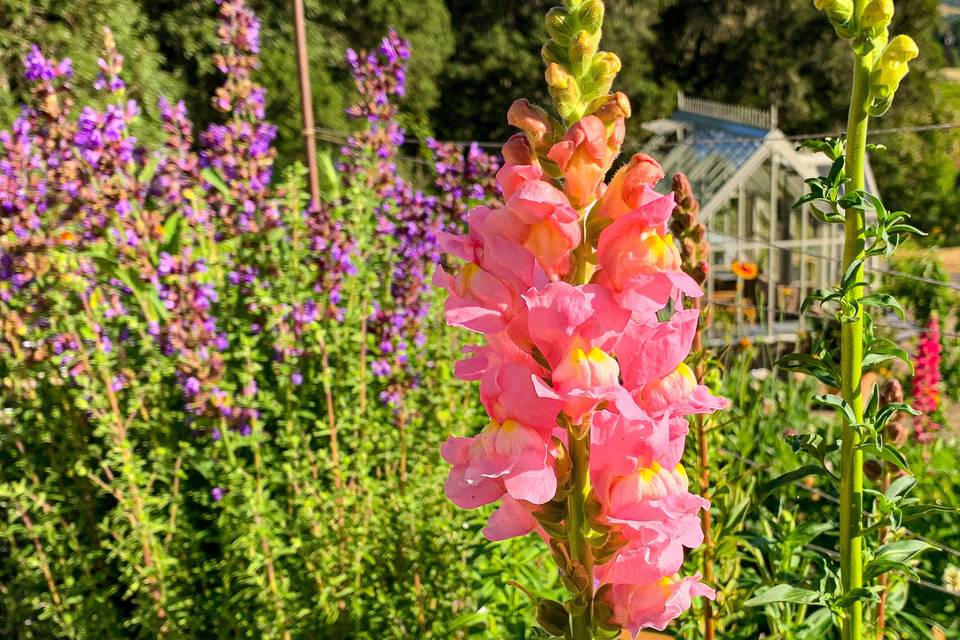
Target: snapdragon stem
x,y
580,552
851,358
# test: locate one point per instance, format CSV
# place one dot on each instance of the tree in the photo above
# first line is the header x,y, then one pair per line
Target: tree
x,y
497,58
187,30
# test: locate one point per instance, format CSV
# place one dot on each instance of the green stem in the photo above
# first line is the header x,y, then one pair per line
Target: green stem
x,y
581,621
851,359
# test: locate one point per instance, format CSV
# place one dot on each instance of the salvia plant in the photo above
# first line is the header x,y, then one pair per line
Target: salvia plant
x,y
577,287
866,515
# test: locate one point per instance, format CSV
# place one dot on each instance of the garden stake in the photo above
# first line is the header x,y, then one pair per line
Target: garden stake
x,y
306,102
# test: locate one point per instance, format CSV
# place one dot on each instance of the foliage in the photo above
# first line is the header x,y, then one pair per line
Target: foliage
x,y
184,345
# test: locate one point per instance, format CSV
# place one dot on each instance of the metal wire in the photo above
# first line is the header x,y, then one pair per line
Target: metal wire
x,y
813,136
680,143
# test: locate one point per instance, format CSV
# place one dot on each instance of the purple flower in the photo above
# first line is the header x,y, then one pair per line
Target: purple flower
x,y
192,386
217,494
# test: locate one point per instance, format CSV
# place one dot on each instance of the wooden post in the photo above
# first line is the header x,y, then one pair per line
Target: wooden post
x,y
772,253
306,101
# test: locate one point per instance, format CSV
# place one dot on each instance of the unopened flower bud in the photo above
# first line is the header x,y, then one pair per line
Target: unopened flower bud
x,y
534,121
877,15
591,15
601,74
582,48
553,52
838,10
611,107
559,25
518,150
563,89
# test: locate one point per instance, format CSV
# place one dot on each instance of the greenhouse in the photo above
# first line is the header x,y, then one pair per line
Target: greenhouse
x,y
743,167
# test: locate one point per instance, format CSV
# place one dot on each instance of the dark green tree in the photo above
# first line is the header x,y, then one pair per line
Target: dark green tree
x,y
186,29
497,58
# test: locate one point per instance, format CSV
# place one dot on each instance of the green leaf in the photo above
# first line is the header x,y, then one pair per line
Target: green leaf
x,y
146,174
214,179
888,453
882,300
879,566
785,593
329,180
835,401
881,350
899,487
861,594
790,476
901,550
170,238
805,363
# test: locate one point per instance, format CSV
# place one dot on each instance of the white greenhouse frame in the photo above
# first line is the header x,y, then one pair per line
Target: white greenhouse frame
x,y
742,168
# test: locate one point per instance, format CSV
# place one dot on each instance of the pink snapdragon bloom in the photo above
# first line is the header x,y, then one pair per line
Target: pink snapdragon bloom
x,y
653,606
509,457
630,189
640,261
548,227
575,329
636,474
584,156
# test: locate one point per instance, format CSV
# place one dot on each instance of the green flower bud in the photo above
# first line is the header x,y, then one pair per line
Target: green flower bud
x,y
564,90
560,25
838,10
601,74
591,15
553,52
582,48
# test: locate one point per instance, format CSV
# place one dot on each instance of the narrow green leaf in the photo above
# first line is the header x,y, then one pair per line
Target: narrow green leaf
x,y
785,593
790,476
888,453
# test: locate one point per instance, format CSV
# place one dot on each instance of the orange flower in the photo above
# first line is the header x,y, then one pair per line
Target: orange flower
x,y
745,342
745,269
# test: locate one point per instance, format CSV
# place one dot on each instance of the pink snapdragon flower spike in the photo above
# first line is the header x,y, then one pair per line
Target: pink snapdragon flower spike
x,y
581,365
926,382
